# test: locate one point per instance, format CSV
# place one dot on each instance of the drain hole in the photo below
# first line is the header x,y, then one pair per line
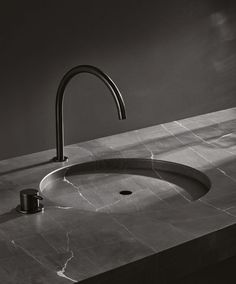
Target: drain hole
x,y
125,192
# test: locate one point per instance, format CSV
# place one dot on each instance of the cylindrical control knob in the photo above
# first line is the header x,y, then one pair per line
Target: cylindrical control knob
x,y
29,201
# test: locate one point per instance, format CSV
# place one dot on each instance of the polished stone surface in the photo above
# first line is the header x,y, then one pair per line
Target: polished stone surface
x,y
90,233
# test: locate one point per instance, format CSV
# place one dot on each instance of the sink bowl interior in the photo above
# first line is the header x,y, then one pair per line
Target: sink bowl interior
x,y
124,185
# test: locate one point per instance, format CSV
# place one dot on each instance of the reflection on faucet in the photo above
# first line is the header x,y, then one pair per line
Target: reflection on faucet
x,y
59,102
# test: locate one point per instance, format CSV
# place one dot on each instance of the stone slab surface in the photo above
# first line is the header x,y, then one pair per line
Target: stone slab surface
x,y
121,241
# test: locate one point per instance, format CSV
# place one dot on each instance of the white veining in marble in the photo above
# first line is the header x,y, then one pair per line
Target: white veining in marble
x,y
222,210
62,207
203,140
225,135
152,157
61,272
27,252
223,172
218,168
79,192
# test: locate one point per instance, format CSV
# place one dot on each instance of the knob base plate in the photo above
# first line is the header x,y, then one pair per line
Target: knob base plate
x,y
39,209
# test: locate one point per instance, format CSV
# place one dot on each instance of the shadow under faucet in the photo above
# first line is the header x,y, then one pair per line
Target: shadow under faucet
x,y
59,102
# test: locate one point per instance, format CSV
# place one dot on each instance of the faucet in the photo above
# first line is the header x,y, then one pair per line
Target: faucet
x,y
59,103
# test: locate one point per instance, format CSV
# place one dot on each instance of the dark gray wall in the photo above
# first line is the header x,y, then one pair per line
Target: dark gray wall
x,y
171,59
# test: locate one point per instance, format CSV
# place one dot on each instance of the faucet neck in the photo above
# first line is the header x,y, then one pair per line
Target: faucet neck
x,y
60,97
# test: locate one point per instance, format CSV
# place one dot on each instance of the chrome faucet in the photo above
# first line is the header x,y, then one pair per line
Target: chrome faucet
x,y
59,102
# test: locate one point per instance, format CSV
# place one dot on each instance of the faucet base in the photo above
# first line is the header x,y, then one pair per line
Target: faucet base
x,y
64,159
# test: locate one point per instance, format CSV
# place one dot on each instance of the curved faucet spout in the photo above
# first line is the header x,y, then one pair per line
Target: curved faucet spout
x,y
59,102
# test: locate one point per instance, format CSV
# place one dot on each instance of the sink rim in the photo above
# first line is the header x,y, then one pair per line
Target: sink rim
x,y
117,165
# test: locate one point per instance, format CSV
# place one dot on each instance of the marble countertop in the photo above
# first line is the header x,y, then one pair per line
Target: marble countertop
x,y
65,244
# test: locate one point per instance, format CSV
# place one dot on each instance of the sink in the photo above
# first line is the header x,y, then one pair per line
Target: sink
x,y
124,185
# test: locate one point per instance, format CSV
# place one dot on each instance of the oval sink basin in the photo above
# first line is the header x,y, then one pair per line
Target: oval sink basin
x,y
124,185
